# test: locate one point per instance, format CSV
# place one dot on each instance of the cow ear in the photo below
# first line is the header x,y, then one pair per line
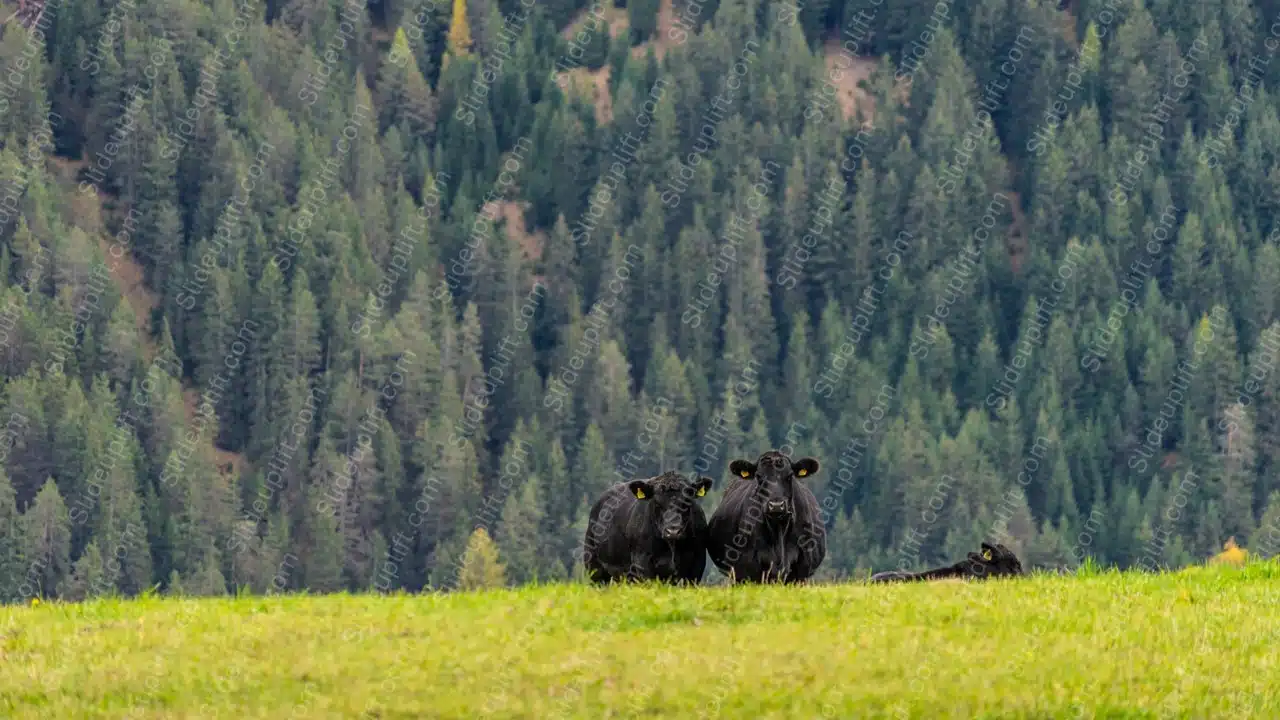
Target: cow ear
x,y
805,467
704,484
742,468
641,489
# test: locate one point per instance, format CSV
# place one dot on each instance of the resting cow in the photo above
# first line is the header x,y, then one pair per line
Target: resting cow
x,y
648,530
767,527
995,560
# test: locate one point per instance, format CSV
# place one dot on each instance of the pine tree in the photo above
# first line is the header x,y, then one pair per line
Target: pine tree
x,y
593,465
88,578
1236,471
481,568
608,398
459,42
643,17
322,564
12,566
121,357
1265,543
207,580
46,530
559,503
404,99
519,538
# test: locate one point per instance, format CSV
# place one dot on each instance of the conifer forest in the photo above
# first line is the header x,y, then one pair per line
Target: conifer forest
x,y
305,294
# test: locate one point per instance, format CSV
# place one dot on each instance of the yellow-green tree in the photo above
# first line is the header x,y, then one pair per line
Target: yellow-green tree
x,y
480,565
459,30
400,53
404,98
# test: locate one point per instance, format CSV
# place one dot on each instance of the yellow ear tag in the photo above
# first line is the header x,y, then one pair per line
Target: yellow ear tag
x,y
746,473
803,472
639,494
986,554
702,491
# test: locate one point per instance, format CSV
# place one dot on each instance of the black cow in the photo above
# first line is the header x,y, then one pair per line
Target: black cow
x,y
648,530
768,527
995,560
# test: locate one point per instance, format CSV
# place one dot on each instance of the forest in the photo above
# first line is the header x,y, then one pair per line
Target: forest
x,y
299,294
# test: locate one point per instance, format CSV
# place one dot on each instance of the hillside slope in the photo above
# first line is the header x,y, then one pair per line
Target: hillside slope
x,y
1199,643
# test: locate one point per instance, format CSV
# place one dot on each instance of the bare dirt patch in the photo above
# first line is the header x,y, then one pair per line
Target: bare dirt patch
x,y
64,169
661,41
850,93
226,462
666,20
596,84
1067,22
512,214
129,275
616,17
532,244
133,278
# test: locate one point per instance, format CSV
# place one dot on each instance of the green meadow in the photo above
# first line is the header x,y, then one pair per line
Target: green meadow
x,y
1200,643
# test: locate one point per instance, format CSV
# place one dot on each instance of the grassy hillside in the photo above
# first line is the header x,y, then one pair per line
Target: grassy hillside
x,y
1201,643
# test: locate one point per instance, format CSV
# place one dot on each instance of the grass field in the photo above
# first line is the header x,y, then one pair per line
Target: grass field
x,y
1202,643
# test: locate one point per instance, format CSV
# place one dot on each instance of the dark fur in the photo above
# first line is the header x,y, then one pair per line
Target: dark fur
x,y
746,545
1002,563
625,535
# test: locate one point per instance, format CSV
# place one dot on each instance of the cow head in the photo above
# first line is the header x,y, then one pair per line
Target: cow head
x,y
673,499
775,476
994,561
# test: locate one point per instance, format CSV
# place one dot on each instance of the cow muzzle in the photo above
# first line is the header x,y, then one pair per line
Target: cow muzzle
x,y
672,532
777,509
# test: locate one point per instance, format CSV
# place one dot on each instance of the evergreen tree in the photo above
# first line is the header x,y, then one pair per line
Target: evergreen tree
x,y
12,565
88,578
481,568
643,19
459,30
46,530
519,538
